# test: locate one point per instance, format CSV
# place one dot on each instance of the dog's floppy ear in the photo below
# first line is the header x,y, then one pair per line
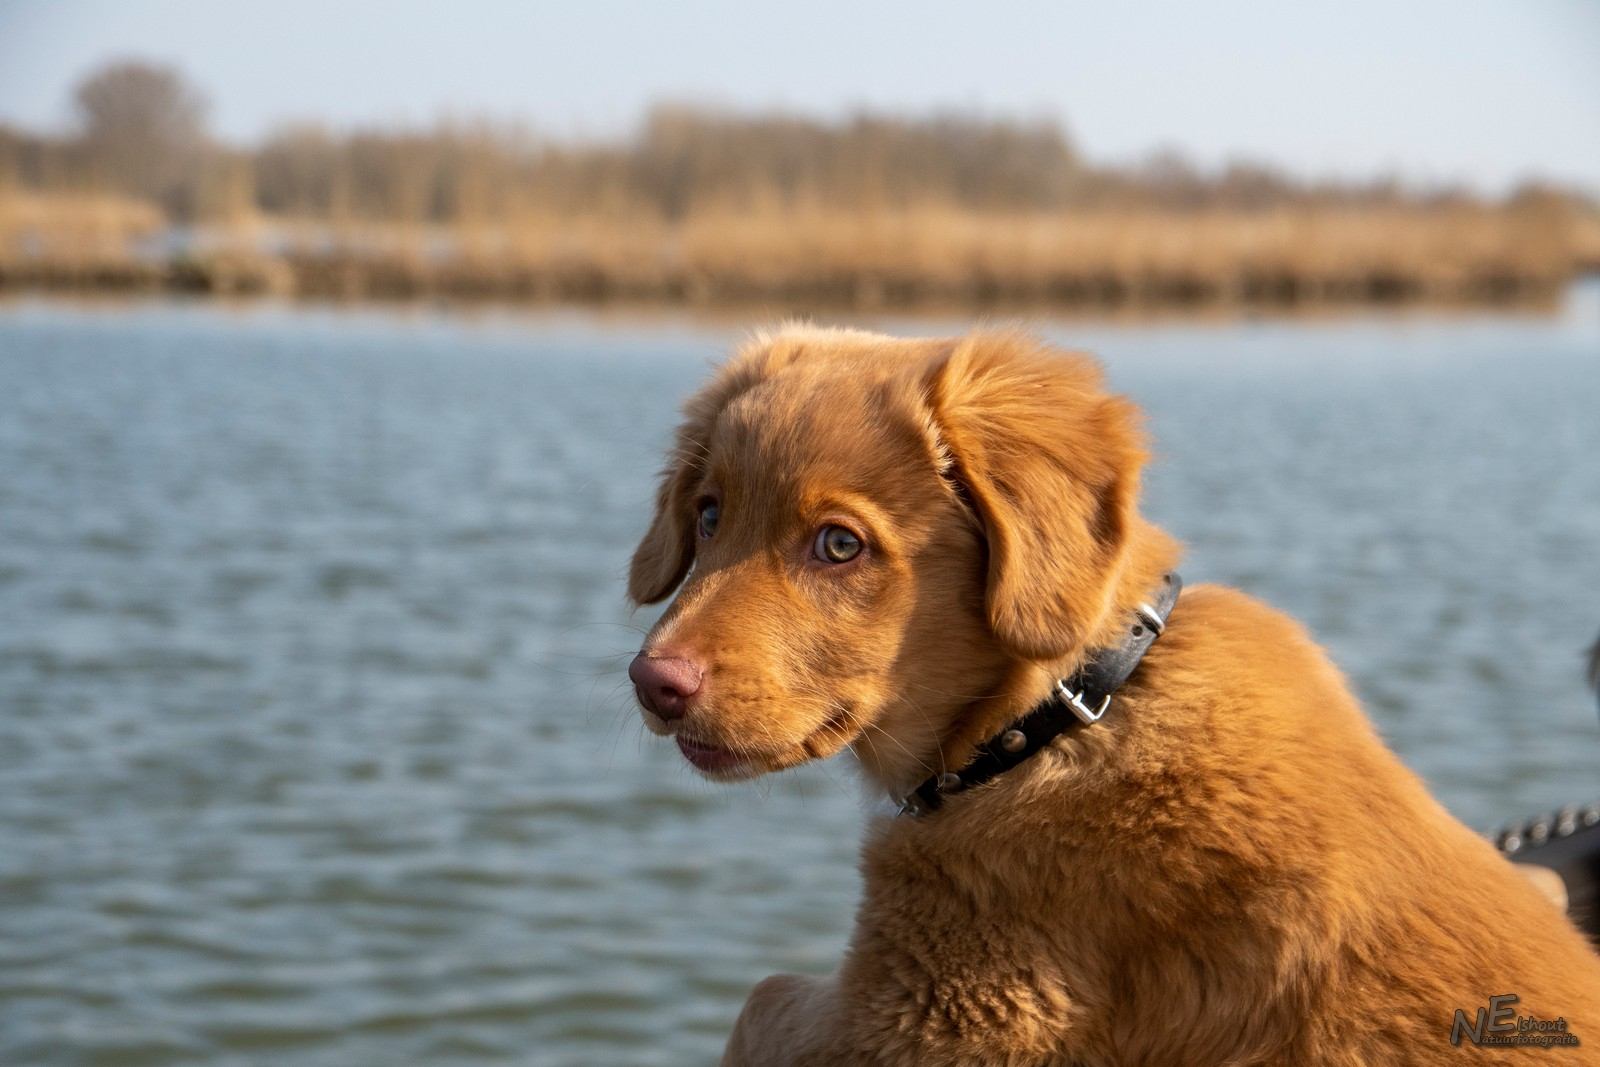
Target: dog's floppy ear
x,y
1051,464
667,551
665,555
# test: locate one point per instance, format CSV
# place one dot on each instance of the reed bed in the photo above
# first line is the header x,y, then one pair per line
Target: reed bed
x,y
75,240
931,255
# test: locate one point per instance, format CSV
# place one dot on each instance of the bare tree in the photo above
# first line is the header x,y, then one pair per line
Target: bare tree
x,y
144,129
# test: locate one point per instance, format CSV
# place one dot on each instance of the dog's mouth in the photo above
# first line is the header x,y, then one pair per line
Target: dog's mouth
x,y
728,764
713,760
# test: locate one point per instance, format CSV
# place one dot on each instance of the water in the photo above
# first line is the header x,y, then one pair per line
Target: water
x,y
314,741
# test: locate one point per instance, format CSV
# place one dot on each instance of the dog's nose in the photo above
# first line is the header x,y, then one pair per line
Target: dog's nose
x,y
665,684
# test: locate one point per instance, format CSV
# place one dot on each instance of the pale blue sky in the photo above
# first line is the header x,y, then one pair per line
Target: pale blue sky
x,y
1469,90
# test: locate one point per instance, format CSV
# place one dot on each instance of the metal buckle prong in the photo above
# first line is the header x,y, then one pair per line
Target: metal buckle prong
x,y
1074,701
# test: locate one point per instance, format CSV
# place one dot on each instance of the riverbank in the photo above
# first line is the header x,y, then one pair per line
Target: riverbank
x,y
891,259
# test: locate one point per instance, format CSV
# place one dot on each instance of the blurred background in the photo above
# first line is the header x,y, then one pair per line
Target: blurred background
x,y
339,345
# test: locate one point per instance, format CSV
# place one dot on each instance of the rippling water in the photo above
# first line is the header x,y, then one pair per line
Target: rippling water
x,y
315,746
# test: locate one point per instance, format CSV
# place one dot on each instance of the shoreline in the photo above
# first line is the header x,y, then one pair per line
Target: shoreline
x,y
383,283
1572,299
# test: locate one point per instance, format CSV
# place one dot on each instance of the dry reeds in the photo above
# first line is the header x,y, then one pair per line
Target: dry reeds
x,y
938,255
904,258
74,240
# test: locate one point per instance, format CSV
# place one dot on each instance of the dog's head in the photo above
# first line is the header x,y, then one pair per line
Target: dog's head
x,y
869,534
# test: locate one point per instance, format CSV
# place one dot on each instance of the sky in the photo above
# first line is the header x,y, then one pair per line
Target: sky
x,y
1470,91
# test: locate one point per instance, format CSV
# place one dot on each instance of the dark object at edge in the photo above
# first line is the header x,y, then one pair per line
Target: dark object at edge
x,y
1567,842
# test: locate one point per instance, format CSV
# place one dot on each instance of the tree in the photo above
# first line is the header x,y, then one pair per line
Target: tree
x,y
144,129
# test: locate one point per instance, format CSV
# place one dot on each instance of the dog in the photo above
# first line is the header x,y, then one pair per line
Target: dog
x,y
900,548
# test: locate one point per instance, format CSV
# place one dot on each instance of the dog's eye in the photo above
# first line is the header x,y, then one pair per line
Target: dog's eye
x,y
835,544
708,519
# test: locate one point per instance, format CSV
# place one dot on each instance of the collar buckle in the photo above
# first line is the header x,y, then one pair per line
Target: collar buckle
x,y
1075,703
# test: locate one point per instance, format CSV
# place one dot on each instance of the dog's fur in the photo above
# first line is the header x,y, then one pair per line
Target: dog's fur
x,y
1230,868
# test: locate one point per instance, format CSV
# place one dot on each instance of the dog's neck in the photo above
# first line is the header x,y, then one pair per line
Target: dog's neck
x,y
1023,684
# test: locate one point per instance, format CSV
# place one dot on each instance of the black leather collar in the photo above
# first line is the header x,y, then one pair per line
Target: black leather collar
x,y
1075,702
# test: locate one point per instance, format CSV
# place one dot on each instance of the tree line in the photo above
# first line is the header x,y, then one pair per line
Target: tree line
x,y
141,131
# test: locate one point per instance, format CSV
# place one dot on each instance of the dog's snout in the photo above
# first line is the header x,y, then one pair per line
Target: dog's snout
x,y
665,683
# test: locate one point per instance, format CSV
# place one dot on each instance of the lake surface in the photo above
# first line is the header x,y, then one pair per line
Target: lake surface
x,y
315,742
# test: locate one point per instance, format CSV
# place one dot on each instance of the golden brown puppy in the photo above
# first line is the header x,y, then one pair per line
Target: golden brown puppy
x,y
897,546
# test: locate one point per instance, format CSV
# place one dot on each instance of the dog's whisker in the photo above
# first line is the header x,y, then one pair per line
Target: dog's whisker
x,y
616,739
868,726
